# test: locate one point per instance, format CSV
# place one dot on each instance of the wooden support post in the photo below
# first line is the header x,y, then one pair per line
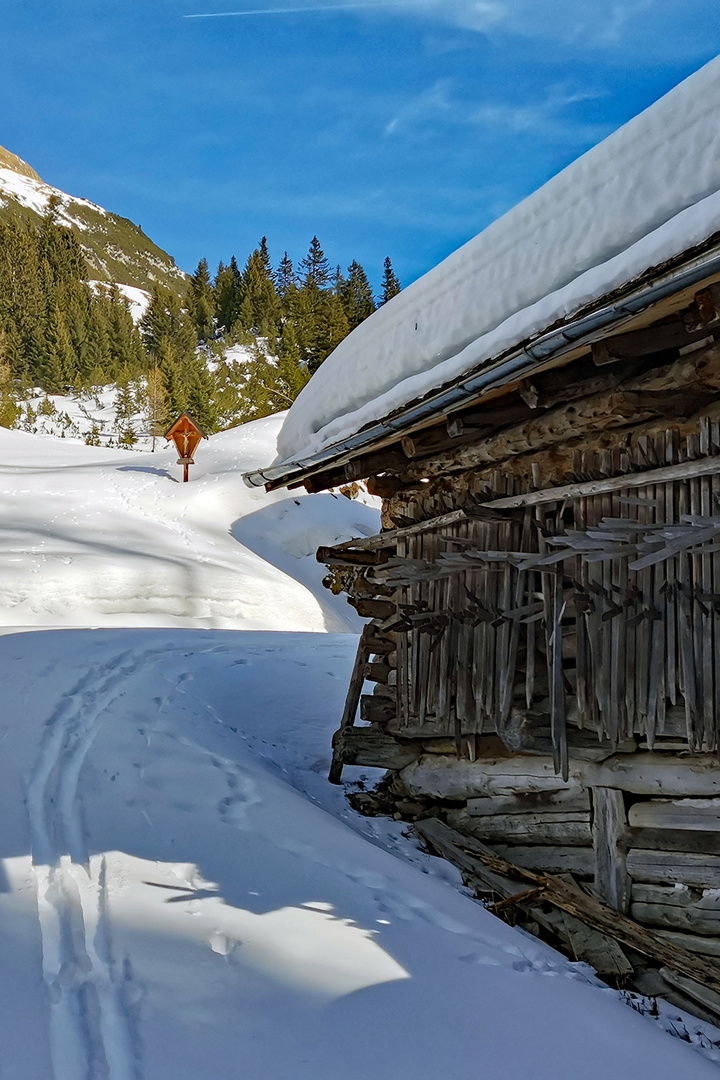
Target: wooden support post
x,y
610,847
351,702
185,472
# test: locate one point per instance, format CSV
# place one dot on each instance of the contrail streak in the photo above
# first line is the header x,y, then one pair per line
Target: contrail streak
x,y
284,11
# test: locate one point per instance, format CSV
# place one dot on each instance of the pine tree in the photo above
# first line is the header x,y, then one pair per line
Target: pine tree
x,y
356,295
330,328
228,294
315,267
265,256
166,322
124,401
10,410
92,438
285,278
156,415
60,362
260,308
127,436
390,284
201,302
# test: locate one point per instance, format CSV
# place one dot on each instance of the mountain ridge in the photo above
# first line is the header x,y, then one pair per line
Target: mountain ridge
x,y
116,249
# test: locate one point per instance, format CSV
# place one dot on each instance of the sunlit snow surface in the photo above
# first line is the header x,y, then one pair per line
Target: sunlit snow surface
x,y
183,896
101,537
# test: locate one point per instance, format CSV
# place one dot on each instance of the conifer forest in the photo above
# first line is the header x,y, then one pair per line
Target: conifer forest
x,y
66,334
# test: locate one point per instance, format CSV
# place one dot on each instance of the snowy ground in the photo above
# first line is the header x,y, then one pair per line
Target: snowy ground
x,y
182,894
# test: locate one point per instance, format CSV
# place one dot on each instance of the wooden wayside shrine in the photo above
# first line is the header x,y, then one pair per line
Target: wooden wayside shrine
x,y
543,642
186,433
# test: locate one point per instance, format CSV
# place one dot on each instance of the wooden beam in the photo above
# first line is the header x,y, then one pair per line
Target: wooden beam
x,y
610,846
384,487
446,777
391,460
373,609
376,710
685,470
348,557
372,748
696,814
475,858
674,868
671,334
351,702
596,413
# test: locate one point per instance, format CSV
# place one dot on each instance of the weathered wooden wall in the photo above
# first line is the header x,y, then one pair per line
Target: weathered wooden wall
x,y
601,612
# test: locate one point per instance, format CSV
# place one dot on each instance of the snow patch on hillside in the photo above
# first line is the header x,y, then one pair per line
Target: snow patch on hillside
x,y
36,196
138,300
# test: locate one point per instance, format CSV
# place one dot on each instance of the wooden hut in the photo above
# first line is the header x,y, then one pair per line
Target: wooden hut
x,y
544,617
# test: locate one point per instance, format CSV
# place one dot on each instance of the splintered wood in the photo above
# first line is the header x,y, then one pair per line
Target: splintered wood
x,y
605,603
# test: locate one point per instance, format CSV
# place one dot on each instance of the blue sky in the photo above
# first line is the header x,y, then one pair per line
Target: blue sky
x,y
396,128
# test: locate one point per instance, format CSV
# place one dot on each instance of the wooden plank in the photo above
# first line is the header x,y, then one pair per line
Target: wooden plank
x,y
674,840
674,867
474,856
715,578
705,946
391,536
677,908
554,860
672,334
372,748
565,828
643,773
709,999
572,797
352,701
610,847
684,470
706,606
600,951
703,814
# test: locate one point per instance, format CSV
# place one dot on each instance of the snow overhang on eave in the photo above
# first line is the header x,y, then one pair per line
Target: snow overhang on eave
x,y
496,372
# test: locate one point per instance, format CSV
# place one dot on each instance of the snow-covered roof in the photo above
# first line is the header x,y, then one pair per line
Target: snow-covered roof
x,y
641,198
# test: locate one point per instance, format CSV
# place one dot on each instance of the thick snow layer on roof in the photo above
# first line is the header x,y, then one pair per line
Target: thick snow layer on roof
x,y
643,196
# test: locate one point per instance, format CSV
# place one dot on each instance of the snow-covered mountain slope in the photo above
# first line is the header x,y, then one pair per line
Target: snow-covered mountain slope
x,y
183,896
645,195
91,536
116,249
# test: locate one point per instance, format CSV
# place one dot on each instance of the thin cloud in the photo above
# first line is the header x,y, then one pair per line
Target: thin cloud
x,y
427,105
438,107
290,10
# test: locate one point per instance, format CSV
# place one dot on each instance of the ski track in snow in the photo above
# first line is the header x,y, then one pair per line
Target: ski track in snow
x,y
92,995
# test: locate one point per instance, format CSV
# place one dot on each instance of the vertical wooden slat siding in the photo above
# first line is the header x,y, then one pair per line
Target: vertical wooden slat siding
x,y
404,645
671,624
705,603
637,642
715,508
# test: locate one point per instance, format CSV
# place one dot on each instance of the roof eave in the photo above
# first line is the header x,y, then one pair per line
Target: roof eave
x,y
495,372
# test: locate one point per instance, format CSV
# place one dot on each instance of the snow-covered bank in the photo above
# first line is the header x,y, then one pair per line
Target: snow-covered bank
x,y
183,896
91,536
189,912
